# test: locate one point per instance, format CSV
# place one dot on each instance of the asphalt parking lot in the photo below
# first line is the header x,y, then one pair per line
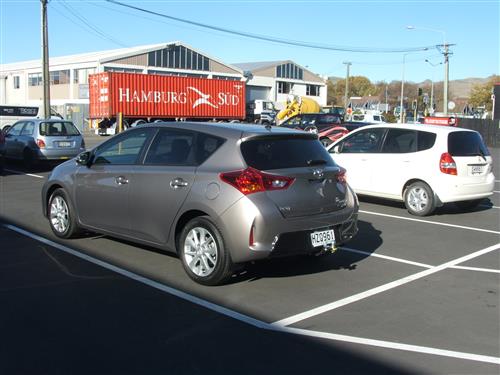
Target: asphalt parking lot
x,y
408,295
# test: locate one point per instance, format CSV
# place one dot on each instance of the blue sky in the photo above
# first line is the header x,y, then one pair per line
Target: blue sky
x,y
472,25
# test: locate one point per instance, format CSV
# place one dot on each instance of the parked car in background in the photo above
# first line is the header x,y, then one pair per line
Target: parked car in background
x,y
312,122
330,135
34,140
423,165
215,194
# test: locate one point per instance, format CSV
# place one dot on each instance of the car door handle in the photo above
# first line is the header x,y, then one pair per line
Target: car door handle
x,y
178,183
120,180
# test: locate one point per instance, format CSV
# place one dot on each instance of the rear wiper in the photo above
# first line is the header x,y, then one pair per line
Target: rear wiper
x,y
316,162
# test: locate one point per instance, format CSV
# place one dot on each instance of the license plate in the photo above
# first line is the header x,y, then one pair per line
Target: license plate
x,y
322,238
476,169
64,144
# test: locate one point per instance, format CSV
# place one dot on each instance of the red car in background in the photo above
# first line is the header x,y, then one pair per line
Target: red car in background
x,y
330,135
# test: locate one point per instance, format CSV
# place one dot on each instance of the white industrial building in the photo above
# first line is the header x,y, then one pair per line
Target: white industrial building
x,y
275,80
21,82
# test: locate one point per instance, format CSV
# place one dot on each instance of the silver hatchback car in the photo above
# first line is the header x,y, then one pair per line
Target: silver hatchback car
x,y
33,140
216,194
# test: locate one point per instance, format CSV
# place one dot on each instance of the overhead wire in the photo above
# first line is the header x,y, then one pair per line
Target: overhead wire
x,y
296,43
85,24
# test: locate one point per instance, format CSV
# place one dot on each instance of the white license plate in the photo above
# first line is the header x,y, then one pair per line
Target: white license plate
x,y
476,169
64,144
322,238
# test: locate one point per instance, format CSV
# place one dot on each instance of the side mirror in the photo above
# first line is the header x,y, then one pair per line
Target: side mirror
x,y
84,158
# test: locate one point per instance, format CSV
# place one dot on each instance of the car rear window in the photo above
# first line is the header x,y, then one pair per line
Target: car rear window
x,y
60,128
284,152
464,143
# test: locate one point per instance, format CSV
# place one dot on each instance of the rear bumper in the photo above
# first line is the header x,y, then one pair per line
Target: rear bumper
x,y
452,189
59,154
275,235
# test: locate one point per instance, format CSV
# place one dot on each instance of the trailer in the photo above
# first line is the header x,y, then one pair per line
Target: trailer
x,y
141,98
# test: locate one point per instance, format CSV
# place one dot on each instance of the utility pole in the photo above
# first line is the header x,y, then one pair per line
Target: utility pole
x,y
45,61
446,53
346,95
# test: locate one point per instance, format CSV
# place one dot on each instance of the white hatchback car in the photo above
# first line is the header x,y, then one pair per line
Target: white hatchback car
x,y
423,165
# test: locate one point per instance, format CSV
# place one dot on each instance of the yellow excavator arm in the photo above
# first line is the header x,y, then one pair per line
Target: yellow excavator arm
x,y
296,105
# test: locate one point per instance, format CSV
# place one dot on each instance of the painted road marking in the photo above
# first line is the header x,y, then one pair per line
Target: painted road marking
x,y
252,321
423,265
382,288
430,222
26,174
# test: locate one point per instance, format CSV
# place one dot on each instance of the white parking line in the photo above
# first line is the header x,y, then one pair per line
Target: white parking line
x,y
392,345
486,206
423,265
476,269
27,174
430,222
252,321
382,288
375,255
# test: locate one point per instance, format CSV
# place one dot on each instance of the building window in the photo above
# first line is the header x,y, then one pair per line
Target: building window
x,y
178,57
227,78
35,79
290,71
312,90
17,83
284,87
59,77
82,75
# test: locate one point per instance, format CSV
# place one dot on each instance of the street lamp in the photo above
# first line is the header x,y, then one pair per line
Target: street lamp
x,y
403,86
446,54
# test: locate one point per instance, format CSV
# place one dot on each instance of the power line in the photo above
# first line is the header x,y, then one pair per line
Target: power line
x,y
296,43
86,24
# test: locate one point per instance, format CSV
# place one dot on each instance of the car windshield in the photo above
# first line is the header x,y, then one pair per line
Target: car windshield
x,y
464,143
59,128
284,152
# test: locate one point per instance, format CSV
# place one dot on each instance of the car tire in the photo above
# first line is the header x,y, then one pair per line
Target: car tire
x,y
419,199
61,215
29,159
326,141
468,205
203,253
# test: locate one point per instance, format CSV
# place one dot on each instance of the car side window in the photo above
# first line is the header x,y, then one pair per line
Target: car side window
x,y
364,141
172,147
400,141
426,140
28,129
124,149
16,128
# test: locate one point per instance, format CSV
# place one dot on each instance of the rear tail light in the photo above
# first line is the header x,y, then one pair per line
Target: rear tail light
x,y
40,143
251,180
341,176
447,165
83,144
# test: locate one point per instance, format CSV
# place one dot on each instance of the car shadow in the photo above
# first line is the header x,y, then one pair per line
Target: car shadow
x,y
13,167
368,240
446,209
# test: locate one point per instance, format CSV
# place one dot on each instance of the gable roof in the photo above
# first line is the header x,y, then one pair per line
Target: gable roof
x,y
102,57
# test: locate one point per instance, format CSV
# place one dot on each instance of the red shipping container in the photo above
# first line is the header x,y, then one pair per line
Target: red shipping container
x,y
445,121
156,96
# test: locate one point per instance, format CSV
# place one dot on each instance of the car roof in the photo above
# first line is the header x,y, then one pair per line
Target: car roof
x,y
423,127
227,130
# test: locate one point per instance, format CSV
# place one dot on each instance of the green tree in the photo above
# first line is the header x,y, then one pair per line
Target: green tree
x,y
481,94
